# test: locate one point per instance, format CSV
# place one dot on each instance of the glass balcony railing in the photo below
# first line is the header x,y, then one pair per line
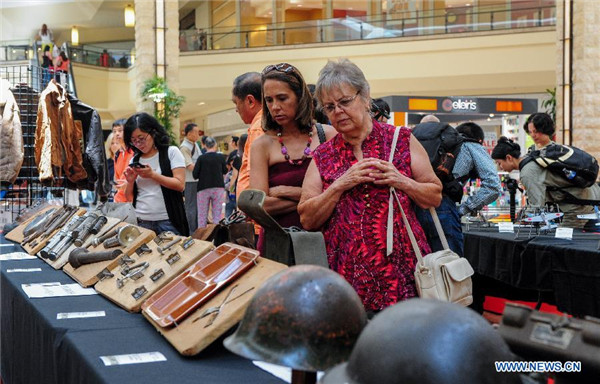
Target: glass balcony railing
x,y
112,58
15,51
459,20
109,58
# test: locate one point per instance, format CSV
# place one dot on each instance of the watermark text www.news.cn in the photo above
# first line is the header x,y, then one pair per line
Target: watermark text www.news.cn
x,y
538,366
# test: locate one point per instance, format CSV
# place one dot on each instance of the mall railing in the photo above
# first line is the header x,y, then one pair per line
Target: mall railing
x,y
458,20
109,58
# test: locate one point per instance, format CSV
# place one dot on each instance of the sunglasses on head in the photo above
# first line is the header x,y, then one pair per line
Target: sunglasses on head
x,y
281,67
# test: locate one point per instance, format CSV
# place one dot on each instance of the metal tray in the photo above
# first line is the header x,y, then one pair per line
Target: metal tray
x,y
199,283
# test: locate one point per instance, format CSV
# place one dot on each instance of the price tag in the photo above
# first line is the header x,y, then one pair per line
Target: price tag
x,y
564,233
79,315
24,270
506,227
36,291
134,358
16,256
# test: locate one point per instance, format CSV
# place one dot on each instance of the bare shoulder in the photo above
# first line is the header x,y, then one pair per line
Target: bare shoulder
x,y
263,141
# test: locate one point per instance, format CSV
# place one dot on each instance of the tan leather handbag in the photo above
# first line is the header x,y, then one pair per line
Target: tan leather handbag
x,y
441,275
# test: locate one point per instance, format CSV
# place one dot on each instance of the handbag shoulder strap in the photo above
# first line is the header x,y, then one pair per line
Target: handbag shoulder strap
x,y
321,133
390,219
390,222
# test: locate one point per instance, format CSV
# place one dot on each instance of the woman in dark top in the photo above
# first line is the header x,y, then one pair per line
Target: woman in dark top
x,y
281,156
209,170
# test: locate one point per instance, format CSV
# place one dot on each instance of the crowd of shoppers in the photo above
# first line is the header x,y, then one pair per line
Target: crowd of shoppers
x,y
334,178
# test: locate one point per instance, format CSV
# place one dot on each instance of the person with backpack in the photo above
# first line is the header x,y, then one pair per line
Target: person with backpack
x,y
543,185
474,162
456,157
540,127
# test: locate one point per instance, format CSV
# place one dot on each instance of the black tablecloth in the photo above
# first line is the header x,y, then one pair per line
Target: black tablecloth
x,y
38,348
567,269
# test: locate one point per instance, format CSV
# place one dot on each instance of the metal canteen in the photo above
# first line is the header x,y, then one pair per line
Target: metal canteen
x,y
81,256
125,236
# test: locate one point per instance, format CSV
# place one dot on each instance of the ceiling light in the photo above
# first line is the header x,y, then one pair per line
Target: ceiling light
x,y
129,16
74,36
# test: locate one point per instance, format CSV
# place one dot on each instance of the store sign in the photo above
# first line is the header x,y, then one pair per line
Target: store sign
x,y
462,105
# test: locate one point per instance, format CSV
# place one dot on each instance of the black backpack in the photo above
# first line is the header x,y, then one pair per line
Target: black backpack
x,y
572,164
442,143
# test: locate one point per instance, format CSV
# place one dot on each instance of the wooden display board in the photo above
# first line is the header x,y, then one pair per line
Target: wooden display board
x,y
88,274
64,258
16,234
161,270
193,334
41,243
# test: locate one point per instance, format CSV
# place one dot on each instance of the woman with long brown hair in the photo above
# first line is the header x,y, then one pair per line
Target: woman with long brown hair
x,y
280,157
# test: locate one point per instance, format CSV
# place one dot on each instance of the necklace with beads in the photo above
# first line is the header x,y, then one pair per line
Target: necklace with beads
x,y
284,150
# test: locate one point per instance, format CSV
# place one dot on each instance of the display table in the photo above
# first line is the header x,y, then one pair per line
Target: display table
x,y
39,348
566,271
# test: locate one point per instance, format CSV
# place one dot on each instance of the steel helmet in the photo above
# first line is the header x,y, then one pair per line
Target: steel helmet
x,y
425,342
305,317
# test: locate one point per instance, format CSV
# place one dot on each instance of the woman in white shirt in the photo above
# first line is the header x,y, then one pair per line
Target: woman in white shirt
x,y
45,35
155,177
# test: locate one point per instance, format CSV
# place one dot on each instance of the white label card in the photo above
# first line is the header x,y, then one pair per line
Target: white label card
x,y
79,315
506,226
16,256
279,371
36,291
134,358
564,233
23,270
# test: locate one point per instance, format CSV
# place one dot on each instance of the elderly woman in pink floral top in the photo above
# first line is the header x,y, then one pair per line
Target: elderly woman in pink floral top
x,y
346,190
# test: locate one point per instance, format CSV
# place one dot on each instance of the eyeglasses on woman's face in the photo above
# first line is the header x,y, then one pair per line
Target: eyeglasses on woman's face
x,y
343,104
136,141
281,67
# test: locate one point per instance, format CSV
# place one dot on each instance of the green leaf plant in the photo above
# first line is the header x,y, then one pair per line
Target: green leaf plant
x,y
167,104
550,104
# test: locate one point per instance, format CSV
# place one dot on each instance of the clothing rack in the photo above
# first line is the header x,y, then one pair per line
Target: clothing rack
x,y
26,81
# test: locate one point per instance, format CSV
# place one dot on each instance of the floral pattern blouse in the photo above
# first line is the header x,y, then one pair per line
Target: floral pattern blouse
x,y
355,234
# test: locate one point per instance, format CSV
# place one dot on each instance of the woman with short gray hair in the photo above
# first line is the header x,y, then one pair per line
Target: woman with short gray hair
x,y
209,170
347,187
